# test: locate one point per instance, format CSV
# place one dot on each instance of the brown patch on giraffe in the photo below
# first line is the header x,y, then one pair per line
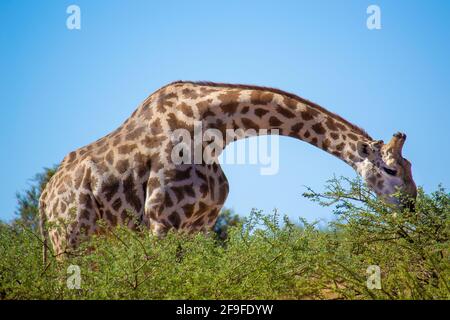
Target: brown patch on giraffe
x,y
190,93
352,136
223,192
297,127
334,135
229,108
125,216
318,128
261,112
245,109
331,124
136,133
258,97
230,102
204,189
117,140
211,181
188,210
111,218
306,115
153,141
186,109
275,122
122,166
142,164
202,207
127,148
110,187
181,175
71,156
167,201
340,146
213,213
208,113
62,189
131,125
314,141
306,134
152,215
350,156
340,126
147,113
162,101
201,175
290,103
102,150
129,188
203,105
116,204
85,199
175,123
337,154
178,193
189,190
285,112
63,207
175,220
249,124
353,146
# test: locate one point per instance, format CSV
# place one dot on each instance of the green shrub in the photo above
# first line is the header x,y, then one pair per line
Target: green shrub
x,y
262,257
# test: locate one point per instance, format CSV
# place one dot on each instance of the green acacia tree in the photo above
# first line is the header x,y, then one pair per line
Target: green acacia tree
x,y
27,211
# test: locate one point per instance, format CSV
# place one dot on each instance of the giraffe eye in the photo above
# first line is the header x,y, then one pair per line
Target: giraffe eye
x,y
390,171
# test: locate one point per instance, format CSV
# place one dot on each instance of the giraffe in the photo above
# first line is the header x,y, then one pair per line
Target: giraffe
x,y
128,178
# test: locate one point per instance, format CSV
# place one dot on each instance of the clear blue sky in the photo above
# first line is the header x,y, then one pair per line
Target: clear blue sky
x,y
62,89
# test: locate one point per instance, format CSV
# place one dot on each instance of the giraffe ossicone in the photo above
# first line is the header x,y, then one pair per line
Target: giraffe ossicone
x,y
129,176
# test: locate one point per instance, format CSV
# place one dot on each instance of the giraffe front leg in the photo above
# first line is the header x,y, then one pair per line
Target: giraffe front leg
x,y
154,206
152,217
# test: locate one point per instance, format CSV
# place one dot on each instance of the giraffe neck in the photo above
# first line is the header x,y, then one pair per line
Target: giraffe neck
x,y
242,107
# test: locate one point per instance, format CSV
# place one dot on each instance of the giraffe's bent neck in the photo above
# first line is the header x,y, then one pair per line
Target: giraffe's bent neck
x,y
236,107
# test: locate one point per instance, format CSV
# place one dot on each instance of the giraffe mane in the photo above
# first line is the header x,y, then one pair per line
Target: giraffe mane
x,y
333,115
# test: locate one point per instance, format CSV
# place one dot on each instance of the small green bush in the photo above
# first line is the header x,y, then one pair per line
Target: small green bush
x,y
263,257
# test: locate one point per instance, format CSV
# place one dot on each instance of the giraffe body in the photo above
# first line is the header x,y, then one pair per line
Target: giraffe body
x,y
128,177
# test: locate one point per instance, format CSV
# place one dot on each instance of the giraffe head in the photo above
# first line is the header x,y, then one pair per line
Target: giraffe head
x,y
385,170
